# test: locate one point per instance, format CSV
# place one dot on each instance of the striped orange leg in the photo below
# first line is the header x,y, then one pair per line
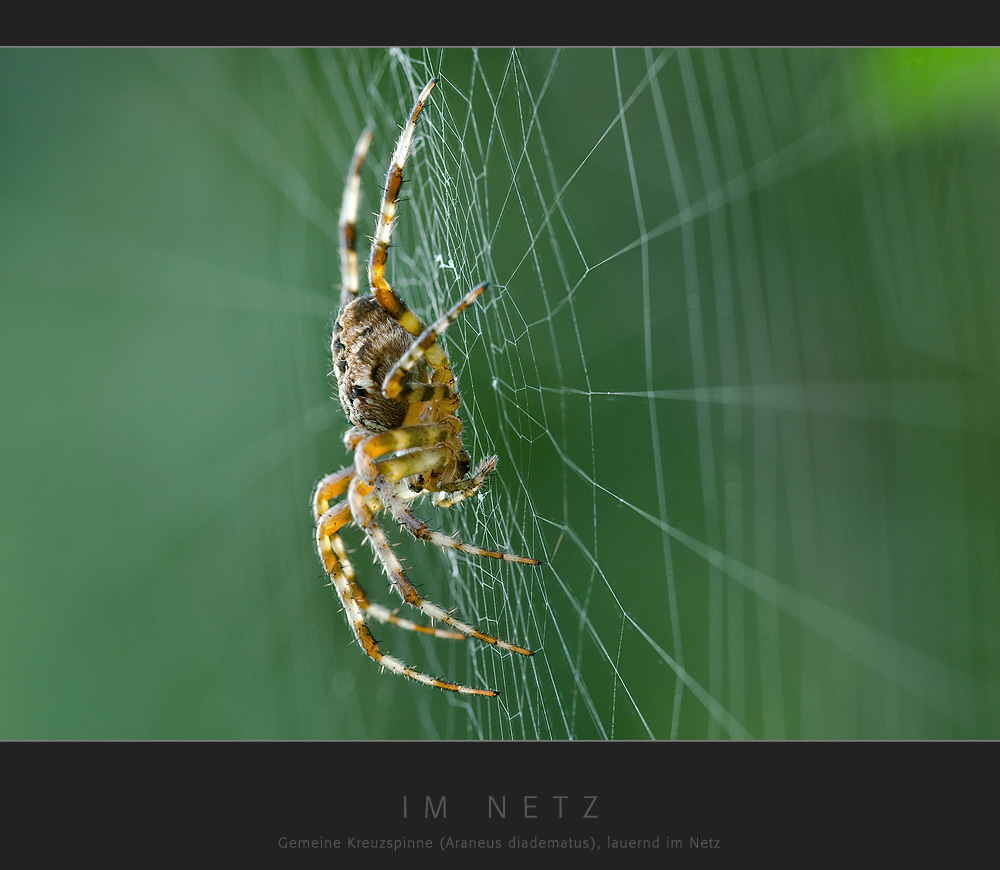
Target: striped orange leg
x,y
364,516
396,387
369,449
355,605
410,464
356,618
353,600
365,501
452,493
385,295
418,463
329,521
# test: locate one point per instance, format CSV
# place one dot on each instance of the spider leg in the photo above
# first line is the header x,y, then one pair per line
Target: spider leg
x,y
420,530
355,607
385,295
356,618
348,222
452,493
358,495
426,346
332,551
380,288
417,463
329,487
369,449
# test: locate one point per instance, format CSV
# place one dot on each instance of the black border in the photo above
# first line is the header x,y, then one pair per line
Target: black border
x,y
682,803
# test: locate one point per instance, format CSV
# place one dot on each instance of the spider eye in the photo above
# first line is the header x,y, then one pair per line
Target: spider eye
x,y
359,393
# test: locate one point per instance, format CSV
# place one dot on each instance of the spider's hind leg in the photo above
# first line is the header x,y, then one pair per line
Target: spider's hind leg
x,y
364,502
329,521
354,602
347,226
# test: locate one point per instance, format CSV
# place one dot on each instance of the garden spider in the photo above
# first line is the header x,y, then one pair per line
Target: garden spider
x,y
398,391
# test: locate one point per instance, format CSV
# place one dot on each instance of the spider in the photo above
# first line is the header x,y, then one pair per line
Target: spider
x,y
398,391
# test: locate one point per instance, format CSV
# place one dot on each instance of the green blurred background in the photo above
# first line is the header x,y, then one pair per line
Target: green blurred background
x,y
739,362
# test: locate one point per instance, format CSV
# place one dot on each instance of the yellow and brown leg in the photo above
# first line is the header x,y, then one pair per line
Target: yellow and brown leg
x,y
329,520
420,530
413,464
451,494
380,288
395,386
356,619
421,462
329,487
355,605
360,496
385,295
369,449
426,347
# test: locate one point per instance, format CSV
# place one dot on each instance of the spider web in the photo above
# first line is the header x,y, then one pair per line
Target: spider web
x,y
738,360
733,409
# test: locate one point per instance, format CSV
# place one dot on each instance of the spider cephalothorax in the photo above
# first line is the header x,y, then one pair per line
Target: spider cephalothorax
x,y
398,390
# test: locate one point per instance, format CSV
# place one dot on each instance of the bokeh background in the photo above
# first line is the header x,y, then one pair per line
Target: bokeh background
x,y
739,361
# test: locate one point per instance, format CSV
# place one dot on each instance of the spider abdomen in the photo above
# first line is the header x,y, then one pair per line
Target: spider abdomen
x,y
367,343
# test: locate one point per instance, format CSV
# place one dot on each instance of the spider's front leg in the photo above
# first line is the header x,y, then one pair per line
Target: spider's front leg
x,y
371,448
355,611
385,295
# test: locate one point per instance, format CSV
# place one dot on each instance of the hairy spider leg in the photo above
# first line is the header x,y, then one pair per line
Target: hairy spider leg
x,y
385,295
406,391
352,598
373,447
395,387
450,494
356,618
332,551
424,435
363,511
408,438
347,226
419,462
420,530
364,502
